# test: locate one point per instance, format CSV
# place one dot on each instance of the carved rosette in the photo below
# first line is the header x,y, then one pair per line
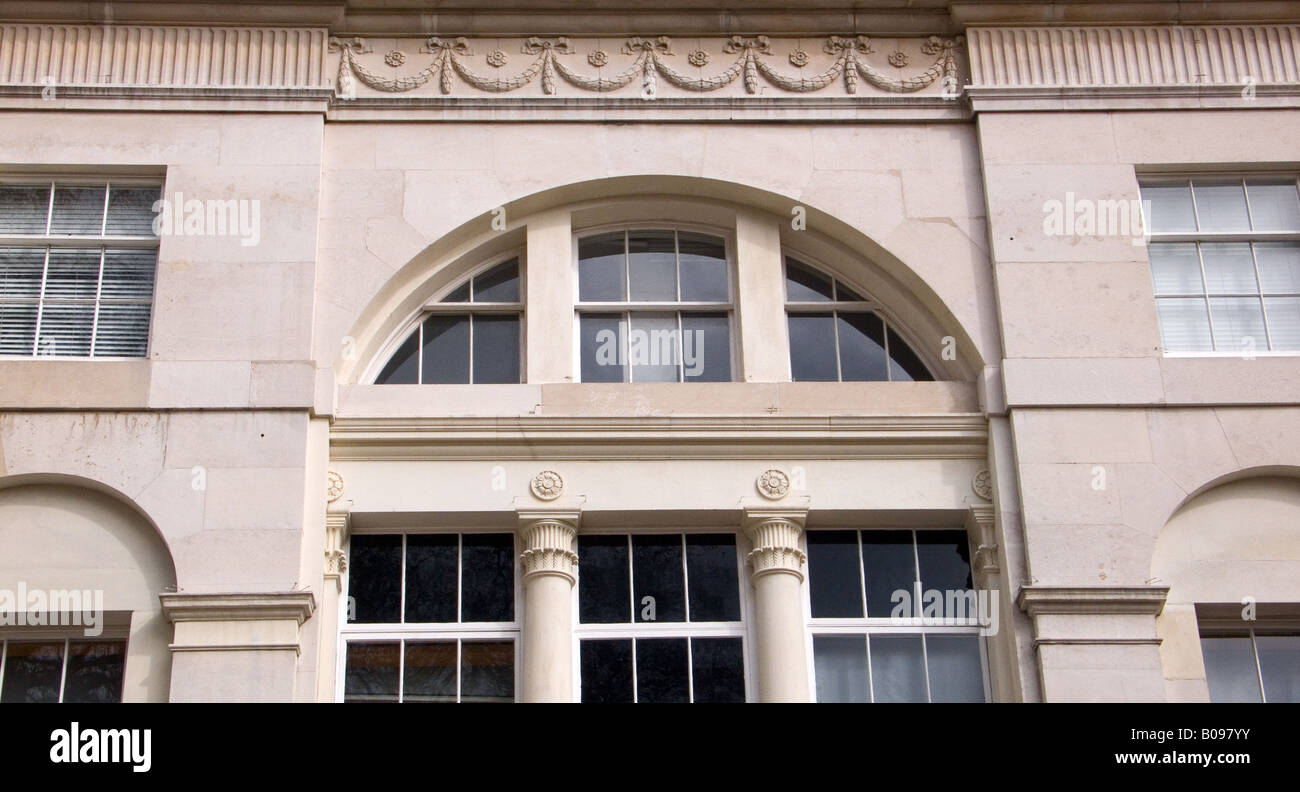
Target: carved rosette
x,y
773,484
548,548
775,537
333,487
982,485
547,485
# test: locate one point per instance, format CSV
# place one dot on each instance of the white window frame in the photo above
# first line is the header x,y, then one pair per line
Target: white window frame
x,y
685,629
627,307
67,637
867,304
1198,236
865,627
425,632
83,242
434,305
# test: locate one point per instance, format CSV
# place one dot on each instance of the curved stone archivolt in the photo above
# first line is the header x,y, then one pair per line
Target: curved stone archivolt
x,y
752,59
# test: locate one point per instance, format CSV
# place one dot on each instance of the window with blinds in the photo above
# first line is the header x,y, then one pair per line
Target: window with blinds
x,y
77,265
1225,263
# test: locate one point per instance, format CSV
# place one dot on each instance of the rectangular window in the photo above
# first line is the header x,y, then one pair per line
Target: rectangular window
x,y
431,618
654,306
1225,263
63,670
895,617
77,266
660,618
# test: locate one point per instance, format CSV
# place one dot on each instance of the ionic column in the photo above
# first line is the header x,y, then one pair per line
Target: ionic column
x,y
550,569
777,571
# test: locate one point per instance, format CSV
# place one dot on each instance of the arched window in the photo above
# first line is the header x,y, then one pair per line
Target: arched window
x,y
836,336
472,335
654,306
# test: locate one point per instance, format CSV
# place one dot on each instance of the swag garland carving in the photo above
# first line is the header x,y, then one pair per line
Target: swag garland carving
x,y
652,60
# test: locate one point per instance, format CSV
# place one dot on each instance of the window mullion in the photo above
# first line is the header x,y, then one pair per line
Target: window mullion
x,y
1259,672
99,291
63,671
40,304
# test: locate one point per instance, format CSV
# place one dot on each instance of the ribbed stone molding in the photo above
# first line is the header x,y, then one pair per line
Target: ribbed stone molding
x,y
774,534
162,56
1134,55
547,536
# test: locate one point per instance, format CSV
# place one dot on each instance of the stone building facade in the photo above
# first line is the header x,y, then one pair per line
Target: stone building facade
x,y
322,368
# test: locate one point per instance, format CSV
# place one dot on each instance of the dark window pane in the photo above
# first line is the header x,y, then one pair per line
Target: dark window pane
x,y
17,329
718,670
487,672
130,211
834,574
706,347
606,668
23,209
653,347
65,330
812,348
32,673
955,671
73,274
944,558
890,567
21,270
372,673
840,665
714,582
652,266
458,295
431,578
604,350
94,673
129,274
1230,669
602,269
496,349
862,348
897,668
78,210
446,350
803,284
403,368
429,676
487,578
904,365
1279,665
845,294
499,284
375,579
662,673
122,331
657,578
603,594
703,264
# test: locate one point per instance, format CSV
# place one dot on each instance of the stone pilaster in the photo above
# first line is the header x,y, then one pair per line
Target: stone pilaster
x,y
549,565
777,564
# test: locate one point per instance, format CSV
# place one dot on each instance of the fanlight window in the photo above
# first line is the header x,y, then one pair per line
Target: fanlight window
x,y
472,335
836,336
654,306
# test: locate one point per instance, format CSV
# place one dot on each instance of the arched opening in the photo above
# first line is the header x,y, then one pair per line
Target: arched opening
x,y
661,203
88,568
1230,628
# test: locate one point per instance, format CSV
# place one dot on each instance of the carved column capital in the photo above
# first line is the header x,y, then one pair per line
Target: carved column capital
x,y
774,533
981,527
547,535
338,518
